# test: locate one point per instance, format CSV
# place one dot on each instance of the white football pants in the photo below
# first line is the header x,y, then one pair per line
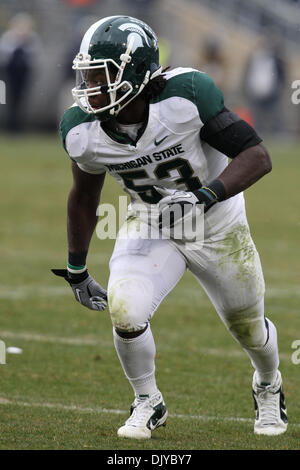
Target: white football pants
x,y
227,265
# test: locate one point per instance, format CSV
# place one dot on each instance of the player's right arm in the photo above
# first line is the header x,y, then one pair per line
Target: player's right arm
x,y
88,178
83,201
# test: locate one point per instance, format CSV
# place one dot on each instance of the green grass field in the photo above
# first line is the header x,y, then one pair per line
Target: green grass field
x,y
67,389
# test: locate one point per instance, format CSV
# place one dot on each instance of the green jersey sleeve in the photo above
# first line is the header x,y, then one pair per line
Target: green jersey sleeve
x,y
208,97
197,87
72,118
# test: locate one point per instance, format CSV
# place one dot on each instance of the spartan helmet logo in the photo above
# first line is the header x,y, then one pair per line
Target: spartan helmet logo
x,y
136,33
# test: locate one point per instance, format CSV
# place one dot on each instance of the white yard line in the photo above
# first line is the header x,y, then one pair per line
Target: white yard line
x,y
51,339
96,410
77,341
60,406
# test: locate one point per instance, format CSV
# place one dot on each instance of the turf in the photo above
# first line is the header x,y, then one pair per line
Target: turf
x,y
66,390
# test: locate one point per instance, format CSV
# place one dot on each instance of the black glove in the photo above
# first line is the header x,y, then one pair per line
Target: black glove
x,y
86,290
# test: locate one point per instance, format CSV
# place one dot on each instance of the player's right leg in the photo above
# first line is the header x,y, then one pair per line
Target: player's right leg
x,y
142,273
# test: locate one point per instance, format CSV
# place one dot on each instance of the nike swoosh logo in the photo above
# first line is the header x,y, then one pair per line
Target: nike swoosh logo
x,y
157,142
78,292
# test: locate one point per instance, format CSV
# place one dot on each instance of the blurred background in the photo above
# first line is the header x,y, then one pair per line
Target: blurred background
x,y
251,49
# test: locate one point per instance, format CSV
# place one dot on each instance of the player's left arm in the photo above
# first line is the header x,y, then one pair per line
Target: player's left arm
x,y
235,138
232,136
247,167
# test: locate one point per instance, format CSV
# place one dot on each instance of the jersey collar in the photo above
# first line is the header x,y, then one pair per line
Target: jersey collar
x,y
124,138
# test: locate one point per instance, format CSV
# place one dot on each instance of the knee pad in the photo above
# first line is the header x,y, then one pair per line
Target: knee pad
x,y
130,303
249,327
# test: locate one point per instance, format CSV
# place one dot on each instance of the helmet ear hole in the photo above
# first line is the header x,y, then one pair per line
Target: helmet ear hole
x,y
141,67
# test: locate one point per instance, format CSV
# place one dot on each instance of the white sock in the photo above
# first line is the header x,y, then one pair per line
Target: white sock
x,y
137,359
266,359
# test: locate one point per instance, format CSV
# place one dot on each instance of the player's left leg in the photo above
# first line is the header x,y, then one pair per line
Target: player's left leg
x,y
233,280
258,337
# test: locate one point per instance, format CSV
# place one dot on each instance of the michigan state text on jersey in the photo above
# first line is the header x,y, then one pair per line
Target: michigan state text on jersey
x,y
166,137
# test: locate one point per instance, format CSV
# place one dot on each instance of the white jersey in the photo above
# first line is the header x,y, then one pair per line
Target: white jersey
x,y
168,152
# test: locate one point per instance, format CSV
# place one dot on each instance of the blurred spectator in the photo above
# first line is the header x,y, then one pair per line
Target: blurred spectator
x,y
213,61
18,49
264,83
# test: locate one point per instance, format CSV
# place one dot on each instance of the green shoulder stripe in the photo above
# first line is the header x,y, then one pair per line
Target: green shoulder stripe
x,y
199,88
72,118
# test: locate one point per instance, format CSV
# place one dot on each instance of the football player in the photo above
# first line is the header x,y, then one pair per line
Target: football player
x,y
165,136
